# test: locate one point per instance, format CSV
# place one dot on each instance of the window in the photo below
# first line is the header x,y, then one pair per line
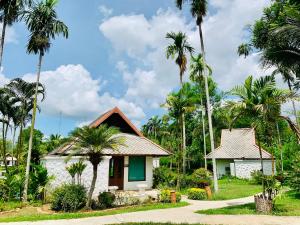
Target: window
x,y
137,168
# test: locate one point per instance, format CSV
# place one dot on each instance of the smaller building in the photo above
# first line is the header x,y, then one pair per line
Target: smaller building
x,y
11,161
238,154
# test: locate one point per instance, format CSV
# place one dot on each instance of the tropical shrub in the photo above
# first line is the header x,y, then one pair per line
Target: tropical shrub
x,y
202,177
165,196
4,191
69,198
164,176
196,194
106,200
256,177
294,177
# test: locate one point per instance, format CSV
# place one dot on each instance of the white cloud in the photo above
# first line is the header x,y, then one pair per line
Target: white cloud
x,y
3,80
10,35
105,11
72,91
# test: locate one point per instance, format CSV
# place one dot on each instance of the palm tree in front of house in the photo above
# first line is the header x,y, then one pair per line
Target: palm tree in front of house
x,y
179,50
198,9
93,141
43,25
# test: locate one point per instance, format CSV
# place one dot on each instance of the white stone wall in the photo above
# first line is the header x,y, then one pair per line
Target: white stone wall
x,y
243,168
56,166
221,165
132,185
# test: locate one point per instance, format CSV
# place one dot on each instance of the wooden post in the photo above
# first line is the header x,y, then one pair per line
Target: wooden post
x,y
173,196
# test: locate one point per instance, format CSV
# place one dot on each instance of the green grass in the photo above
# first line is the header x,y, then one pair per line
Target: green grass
x,y
235,188
159,224
34,216
286,205
7,206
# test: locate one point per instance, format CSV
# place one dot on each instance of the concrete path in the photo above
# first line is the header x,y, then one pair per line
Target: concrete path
x,y
180,215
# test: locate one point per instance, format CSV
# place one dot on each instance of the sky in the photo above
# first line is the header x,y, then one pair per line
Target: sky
x,y
115,56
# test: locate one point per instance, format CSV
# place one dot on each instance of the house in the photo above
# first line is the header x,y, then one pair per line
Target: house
x,y
11,161
128,168
238,154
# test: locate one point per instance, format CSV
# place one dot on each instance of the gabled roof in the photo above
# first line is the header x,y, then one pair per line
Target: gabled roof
x,y
135,142
238,144
101,119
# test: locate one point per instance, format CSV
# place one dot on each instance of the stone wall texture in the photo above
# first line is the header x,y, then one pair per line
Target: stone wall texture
x,y
56,166
243,168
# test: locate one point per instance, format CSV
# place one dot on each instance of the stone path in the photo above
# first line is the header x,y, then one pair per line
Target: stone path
x,y
180,215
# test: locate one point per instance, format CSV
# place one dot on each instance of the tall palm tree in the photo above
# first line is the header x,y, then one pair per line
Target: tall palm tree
x,y
198,10
260,100
94,141
197,69
179,48
179,104
153,126
23,92
43,25
289,78
10,12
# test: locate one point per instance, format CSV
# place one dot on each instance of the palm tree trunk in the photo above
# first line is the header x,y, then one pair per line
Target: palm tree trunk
x,y
2,41
92,188
4,133
210,125
280,146
204,135
293,103
32,129
13,144
183,145
262,166
19,144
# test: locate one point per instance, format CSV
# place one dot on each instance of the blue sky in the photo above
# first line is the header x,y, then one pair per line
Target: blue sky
x,y
115,56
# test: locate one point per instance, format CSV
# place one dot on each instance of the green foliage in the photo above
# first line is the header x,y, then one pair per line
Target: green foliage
x,y
202,177
256,176
69,198
294,177
106,200
163,176
165,196
196,194
4,191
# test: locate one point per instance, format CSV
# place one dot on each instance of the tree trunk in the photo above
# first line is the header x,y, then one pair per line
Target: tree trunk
x,y
280,146
293,103
204,135
262,166
95,171
183,146
32,129
4,134
19,145
13,144
2,41
210,125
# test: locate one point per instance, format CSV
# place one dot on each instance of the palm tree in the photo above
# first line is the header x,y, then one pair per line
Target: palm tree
x,y
94,141
23,92
179,104
178,49
198,10
43,25
197,69
289,78
80,167
72,171
153,126
261,101
10,11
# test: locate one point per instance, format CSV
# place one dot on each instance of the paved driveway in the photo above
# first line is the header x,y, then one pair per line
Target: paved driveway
x,y
180,215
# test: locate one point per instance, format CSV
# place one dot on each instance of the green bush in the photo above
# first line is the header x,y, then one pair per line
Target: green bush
x,y
106,200
4,191
202,177
196,194
257,177
294,176
69,198
164,176
165,196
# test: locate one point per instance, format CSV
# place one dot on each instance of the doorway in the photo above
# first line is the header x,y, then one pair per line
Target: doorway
x,y
116,172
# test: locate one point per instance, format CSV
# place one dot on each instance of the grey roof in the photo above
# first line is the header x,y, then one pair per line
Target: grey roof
x,y
238,144
133,145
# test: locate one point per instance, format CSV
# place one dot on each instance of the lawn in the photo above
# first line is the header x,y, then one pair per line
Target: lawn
x,y
286,205
31,213
235,188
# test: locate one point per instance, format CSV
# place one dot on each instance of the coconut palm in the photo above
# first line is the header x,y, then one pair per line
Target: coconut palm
x,y
178,104
43,25
93,141
197,69
260,100
10,12
179,48
23,92
198,9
